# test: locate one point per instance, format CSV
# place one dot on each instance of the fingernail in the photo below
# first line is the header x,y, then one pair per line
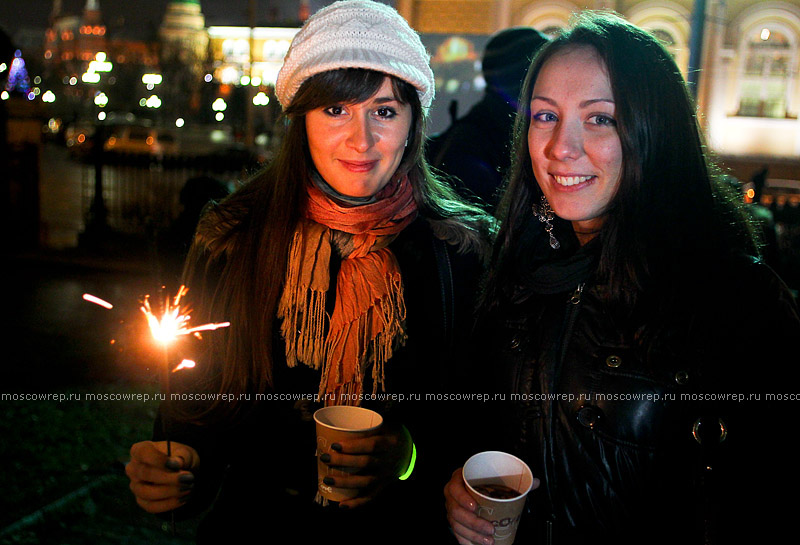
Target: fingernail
x,y
329,481
186,487
186,478
325,457
341,506
337,447
172,463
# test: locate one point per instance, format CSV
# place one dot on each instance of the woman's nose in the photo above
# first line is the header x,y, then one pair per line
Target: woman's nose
x,y
360,137
567,142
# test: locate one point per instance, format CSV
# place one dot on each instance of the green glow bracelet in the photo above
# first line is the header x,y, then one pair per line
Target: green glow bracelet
x,y
411,464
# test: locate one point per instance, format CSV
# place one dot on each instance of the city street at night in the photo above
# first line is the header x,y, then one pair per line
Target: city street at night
x,y
61,350
121,121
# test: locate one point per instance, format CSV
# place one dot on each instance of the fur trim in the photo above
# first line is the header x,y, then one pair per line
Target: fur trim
x,y
475,235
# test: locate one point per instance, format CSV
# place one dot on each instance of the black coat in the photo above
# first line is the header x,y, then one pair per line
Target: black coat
x,y
258,475
476,149
621,416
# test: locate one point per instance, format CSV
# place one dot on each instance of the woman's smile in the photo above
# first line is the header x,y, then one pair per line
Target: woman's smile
x,y
576,154
356,148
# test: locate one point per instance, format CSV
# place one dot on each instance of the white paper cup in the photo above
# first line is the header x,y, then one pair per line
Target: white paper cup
x,y
335,424
497,469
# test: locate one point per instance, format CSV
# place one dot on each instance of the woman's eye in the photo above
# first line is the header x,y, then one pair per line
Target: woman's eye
x,y
385,112
604,120
545,117
334,110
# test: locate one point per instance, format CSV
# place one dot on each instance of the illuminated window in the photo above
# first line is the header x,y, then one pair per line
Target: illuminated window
x,y
236,49
275,49
766,74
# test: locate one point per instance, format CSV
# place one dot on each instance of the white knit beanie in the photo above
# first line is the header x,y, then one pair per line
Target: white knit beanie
x,y
356,34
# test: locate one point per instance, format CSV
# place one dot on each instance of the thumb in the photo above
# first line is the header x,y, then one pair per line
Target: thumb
x,y
181,456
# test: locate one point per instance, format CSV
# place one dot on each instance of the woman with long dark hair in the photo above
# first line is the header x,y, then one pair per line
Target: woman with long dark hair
x,y
624,288
346,271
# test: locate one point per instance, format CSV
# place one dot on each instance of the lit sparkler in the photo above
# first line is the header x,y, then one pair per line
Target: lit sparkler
x,y
173,323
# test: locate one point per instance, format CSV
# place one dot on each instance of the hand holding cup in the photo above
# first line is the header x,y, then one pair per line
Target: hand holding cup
x,y
467,526
371,463
350,448
493,486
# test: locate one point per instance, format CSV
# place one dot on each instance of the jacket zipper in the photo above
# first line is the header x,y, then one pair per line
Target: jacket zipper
x,y
569,321
576,295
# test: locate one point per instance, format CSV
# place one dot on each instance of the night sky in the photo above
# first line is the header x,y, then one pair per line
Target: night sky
x,y
135,16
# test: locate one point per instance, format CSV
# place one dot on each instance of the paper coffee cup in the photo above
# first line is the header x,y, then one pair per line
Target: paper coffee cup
x,y
335,424
499,483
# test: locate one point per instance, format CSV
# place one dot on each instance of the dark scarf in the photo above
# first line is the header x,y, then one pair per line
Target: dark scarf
x,y
550,271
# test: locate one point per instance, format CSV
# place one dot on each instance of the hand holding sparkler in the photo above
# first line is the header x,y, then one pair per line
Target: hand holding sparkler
x,y
162,473
159,482
174,322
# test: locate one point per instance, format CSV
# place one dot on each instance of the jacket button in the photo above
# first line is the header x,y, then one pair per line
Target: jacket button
x,y
514,344
681,377
699,433
588,416
613,361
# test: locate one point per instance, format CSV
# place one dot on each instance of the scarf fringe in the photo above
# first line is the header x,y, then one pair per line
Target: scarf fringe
x,y
373,352
365,339
321,500
303,314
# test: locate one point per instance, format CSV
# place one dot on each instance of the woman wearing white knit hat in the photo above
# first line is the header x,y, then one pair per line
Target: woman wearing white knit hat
x,y
347,272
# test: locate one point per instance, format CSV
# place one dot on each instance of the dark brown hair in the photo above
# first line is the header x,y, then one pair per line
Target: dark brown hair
x,y
670,213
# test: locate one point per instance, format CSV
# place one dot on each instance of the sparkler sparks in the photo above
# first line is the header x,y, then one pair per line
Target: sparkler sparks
x,y
185,364
174,321
97,301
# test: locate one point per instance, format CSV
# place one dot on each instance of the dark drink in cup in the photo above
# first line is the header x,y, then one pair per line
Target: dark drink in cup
x,y
499,483
496,490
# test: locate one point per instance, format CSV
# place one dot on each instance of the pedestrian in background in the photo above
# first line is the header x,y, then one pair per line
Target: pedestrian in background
x,y
475,150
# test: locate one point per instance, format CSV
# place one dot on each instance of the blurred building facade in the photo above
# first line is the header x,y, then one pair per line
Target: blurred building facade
x,y
746,64
182,70
210,82
747,89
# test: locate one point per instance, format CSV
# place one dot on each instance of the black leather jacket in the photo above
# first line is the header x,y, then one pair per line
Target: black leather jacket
x,y
656,430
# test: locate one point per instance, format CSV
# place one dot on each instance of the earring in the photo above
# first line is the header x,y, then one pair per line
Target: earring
x,y
546,215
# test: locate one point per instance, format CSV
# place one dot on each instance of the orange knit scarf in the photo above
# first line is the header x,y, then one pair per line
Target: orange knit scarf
x,y
368,319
